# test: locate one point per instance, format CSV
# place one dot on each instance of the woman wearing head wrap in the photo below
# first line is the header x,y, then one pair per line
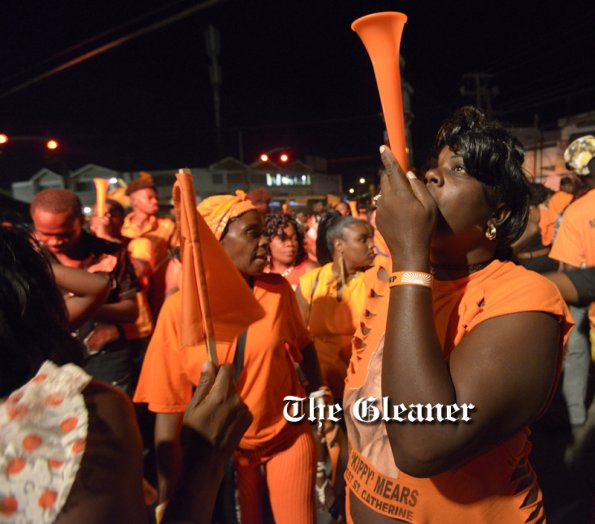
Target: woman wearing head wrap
x,y
465,346
270,347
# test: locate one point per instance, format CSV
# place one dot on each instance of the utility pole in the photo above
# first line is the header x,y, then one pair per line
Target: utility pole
x,y
213,44
476,85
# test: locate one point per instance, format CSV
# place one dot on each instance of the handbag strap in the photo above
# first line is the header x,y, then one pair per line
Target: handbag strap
x,y
238,359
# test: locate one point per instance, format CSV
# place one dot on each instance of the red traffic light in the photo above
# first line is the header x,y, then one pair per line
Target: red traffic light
x,y
264,157
52,144
3,138
284,157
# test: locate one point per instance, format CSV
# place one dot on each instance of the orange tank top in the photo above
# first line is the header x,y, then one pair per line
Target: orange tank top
x,y
489,489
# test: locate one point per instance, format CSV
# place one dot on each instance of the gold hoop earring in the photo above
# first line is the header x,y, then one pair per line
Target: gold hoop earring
x,y
490,232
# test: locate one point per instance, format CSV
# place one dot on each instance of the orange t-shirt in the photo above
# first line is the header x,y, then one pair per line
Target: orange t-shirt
x,y
332,323
273,343
480,491
575,241
161,232
558,202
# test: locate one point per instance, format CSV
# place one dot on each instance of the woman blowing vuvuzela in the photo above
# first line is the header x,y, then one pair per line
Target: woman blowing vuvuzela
x,y
454,323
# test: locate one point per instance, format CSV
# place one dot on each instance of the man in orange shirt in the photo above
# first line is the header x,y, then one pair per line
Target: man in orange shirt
x,y
144,222
574,246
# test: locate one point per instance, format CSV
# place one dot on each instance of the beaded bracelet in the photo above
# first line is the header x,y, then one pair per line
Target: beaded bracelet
x,y
405,278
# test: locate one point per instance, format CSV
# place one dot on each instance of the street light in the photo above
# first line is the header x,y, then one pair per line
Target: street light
x,y
283,157
362,180
52,144
351,191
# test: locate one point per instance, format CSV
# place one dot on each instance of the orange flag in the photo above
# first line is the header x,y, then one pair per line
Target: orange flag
x,y
217,304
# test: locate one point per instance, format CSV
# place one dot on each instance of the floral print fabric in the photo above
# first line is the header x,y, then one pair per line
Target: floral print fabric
x,y
43,430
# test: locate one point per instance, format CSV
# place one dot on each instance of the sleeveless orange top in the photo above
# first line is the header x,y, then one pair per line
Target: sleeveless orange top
x,y
489,489
332,322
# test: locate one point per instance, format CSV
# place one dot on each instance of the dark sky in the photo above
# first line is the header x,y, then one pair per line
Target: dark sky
x,y
294,74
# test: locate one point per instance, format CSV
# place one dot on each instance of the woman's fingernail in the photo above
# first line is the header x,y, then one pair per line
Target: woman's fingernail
x,y
382,149
411,175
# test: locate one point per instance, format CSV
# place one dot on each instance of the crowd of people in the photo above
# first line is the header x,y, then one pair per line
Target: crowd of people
x,y
433,298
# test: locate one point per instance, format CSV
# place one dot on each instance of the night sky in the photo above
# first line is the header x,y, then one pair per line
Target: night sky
x,y
294,74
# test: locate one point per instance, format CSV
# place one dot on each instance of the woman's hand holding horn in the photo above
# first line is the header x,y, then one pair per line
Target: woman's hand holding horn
x,y
406,215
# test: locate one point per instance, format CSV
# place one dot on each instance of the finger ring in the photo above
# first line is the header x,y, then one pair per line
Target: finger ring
x,y
376,198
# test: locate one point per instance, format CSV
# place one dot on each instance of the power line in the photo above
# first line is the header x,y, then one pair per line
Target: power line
x,y
111,45
88,41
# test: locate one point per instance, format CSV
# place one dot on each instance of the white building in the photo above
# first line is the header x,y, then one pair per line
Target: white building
x,y
43,179
296,181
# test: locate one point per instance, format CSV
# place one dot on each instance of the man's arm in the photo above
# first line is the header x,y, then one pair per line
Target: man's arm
x,y
577,286
89,291
119,313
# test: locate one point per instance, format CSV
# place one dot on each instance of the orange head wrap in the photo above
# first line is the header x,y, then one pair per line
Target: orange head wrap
x,y
218,210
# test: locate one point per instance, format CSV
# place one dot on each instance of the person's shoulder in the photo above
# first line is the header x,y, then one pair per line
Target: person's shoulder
x,y
308,265
507,270
166,224
100,246
307,280
172,305
109,399
273,284
581,205
515,280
